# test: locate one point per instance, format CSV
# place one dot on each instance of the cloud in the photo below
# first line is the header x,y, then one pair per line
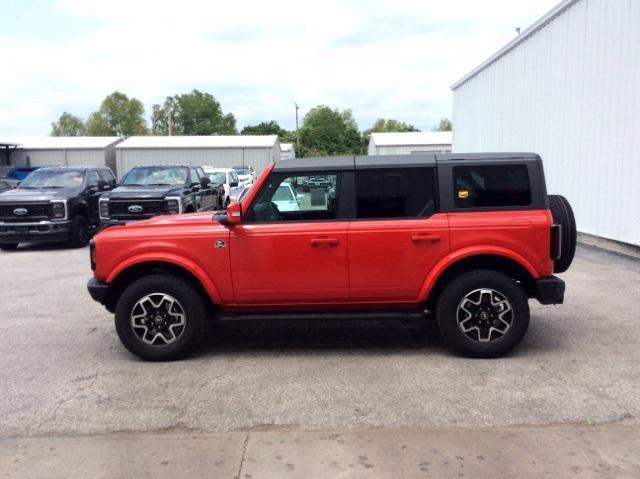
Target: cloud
x,y
381,59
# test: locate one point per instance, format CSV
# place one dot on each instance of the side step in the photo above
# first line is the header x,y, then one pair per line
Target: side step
x,y
411,314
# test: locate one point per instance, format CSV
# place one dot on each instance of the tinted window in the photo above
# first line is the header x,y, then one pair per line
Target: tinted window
x,y
491,185
403,193
296,198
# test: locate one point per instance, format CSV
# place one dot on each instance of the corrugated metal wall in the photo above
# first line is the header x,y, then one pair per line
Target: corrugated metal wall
x,y
220,157
407,150
570,92
59,157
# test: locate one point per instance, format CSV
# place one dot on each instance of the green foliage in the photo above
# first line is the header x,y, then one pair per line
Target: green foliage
x,y
67,125
194,113
329,132
444,125
263,128
118,115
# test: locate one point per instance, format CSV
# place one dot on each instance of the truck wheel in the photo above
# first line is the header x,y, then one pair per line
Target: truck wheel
x,y
8,246
563,215
79,236
160,318
482,314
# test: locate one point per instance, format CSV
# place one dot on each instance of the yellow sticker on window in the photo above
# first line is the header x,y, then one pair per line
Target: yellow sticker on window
x,y
463,194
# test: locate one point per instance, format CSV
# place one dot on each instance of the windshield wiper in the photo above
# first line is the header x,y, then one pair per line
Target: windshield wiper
x,y
159,184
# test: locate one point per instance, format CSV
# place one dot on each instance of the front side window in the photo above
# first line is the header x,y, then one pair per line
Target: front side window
x,y
53,179
156,176
194,176
92,178
485,186
401,193
296,198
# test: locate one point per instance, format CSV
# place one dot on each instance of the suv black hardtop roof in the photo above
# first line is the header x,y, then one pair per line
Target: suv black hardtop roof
x,y
391,161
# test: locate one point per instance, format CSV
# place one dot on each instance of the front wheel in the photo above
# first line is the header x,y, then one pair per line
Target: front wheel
x,y
160,318
483,314
79,236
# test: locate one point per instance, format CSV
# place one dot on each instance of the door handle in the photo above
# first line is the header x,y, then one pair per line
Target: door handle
x,y
321,241
424,237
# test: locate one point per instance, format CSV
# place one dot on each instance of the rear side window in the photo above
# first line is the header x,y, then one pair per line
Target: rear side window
x,y
402,193
485,186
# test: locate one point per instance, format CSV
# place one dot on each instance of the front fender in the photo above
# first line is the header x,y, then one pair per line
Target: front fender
x,y
174,259
463,253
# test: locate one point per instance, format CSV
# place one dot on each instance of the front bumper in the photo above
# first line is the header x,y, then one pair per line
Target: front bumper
x,y
36,232
98,290
550,290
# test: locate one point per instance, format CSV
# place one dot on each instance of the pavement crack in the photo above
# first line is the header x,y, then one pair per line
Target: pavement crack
x,y
244,450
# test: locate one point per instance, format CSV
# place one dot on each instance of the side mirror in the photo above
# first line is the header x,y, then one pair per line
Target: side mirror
x,y
233,184
103,185
205,181
231,217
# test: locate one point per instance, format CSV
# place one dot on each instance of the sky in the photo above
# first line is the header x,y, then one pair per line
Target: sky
x,y
390,59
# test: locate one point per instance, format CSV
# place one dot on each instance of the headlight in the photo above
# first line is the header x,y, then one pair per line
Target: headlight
x,y
173,206
104,209
57,210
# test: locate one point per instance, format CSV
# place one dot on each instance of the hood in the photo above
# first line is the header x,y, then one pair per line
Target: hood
x,y
158,225
138,192
40,194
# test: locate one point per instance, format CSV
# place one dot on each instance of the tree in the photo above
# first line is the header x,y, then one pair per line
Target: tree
x,y
444,125
194,113
118,115
263,128
384,125
329,132
67,125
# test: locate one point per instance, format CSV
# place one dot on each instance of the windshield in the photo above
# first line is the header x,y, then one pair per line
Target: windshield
x,y
242,170
53,179
283,193
155,176
217,178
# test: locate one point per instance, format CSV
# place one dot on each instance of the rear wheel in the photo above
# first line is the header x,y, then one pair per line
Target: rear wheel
x,y
160,318
563,215
483,314
8,246
79,236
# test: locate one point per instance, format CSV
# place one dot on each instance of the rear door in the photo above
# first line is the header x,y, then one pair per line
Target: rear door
x,y
397,236
291,256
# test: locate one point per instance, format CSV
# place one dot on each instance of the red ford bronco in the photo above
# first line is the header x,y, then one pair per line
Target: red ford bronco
x,y
464,238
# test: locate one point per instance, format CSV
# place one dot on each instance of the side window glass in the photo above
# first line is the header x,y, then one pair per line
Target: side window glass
x,y
397,193
92,178
234,177
297,198
106,176
194,176
483,186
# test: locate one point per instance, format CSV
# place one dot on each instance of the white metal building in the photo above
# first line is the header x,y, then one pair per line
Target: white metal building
x,y
568,89
65,151
409,142
287,151
220,151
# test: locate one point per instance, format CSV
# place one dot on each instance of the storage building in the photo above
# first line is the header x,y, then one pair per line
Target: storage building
x,y
567,88
409,142
287,151
63,151
220,151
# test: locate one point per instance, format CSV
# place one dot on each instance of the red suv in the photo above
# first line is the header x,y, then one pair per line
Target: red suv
x,y
464,238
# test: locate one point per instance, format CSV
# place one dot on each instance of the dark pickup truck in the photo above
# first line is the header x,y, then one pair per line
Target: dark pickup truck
x,y
53,204
147,191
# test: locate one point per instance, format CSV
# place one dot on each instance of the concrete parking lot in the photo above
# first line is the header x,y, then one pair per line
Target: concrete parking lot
x,y
65,377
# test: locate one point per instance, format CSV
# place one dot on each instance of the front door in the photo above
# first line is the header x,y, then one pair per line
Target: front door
x,y
397,237
292,255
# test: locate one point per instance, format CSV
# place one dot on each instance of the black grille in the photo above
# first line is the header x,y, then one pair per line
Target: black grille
x,y
120,209
34,212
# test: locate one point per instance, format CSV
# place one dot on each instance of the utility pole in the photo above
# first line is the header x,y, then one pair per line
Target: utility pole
x,y
170,121
297,132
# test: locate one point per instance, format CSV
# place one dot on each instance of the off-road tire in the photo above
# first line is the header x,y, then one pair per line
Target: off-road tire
x,y
79,235
452,296
8,246
563,215
190,302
